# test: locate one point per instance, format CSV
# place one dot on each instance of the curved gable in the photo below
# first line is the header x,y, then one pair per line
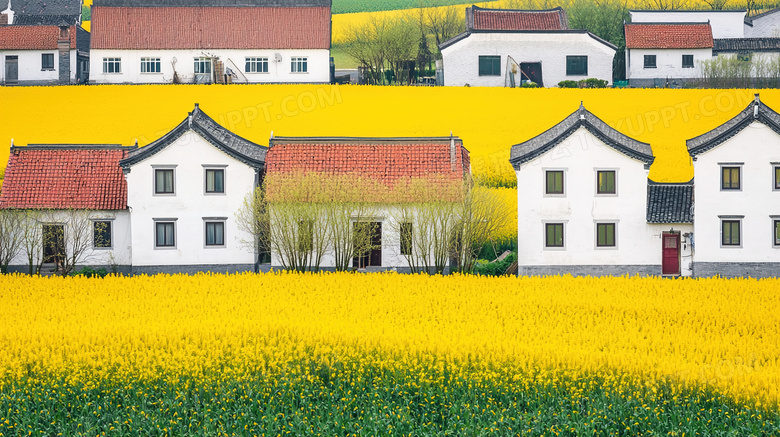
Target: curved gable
x,y
546,141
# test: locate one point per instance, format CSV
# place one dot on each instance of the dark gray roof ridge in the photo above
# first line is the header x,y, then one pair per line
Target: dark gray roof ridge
x,y
749,20
755,111
197,121
540,144
757,44
670,203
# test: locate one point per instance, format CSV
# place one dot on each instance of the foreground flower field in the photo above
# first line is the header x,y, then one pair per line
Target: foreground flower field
x,y
387,354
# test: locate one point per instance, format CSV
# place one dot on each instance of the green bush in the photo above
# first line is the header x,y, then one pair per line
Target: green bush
x,y
486,268
568,84
593,83
89,272
529,85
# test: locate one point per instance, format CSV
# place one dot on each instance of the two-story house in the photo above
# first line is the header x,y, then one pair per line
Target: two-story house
x,y
223,41
582,207
737,190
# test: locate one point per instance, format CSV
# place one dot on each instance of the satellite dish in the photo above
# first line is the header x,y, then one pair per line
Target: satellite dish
x,y
278,57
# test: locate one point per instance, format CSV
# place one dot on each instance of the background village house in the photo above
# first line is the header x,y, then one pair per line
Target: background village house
x,y
257,41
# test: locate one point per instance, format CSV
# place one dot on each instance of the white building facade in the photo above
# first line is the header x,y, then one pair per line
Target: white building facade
x,y
580,211
724,24
764,25
228,41
43,55
737,167
512,47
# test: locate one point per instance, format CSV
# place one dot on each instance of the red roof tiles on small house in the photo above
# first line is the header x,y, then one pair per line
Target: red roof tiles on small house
x,y
210,27
668,36
508,19
384,160
15,37
64,177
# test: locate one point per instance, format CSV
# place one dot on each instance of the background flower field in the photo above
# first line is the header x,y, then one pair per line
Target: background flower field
x,y
388,354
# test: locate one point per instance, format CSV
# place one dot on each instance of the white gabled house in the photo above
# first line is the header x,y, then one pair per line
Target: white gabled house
x,y
183,192
583,209
763,25
504,47
724,23
737,167
223,41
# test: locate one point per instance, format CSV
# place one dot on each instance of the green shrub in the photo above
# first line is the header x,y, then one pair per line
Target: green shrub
x,y
593,83
529,85
486,268
568,84
89,272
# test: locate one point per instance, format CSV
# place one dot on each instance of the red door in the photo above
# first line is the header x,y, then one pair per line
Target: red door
x,y
671,254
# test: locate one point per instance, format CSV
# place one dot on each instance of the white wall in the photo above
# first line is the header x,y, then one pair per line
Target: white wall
x,y
30,65
757,146
725,24
668,63
189,205
764,64
580,208
461,60
120,252
764,27
318,65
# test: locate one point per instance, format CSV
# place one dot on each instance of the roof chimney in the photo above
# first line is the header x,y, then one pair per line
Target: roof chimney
x,y
8,15
453,157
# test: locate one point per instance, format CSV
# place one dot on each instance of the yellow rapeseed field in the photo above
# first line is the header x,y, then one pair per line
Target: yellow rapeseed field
x,y
490,120
722,335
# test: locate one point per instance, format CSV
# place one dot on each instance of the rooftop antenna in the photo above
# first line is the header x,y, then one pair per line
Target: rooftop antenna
x,y
136,142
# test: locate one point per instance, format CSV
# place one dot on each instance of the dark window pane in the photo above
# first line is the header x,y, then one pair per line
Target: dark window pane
x,y
606,182
163,181
215,233
102,234
576,65
606,235
649,61
777,232
215,181
777,178
731,233
554,234
687,61
730,178
554,182
164,234
489,65
47,61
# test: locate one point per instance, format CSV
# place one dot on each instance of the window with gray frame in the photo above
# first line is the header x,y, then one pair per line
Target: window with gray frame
x,y
490,65
256,65
605,235
150,65
215,233
605,182
576,65
730,178
777,177
649,61
165,234
101,236
112,65
163,181
554,182
730,232
553,234
47,61
777,232
215,181
202,65
687,61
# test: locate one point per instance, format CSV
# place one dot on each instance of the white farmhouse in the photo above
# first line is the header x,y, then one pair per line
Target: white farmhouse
x,y
737,167
764,25
666,54
503,47
183,192
74,197
725,24
224,41
582,207
43,43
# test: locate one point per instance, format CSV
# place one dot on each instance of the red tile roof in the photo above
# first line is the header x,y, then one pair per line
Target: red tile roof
x,y
61,177
381,160
210,27
668,36
15,37
507,19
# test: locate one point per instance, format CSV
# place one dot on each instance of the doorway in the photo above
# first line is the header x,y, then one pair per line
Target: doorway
x,y
53,244
531,71
11,70
671,254
373,257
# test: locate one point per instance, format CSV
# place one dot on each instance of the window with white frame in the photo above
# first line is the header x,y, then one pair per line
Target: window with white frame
x,y
215,181
150,65
202,65
215,232
101,235
164,181
165,233
112,65
299,65
256,65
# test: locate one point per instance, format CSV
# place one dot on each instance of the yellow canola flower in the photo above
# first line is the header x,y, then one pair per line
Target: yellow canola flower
x,y
629,332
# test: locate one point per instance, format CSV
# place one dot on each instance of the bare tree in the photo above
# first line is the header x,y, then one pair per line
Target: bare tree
x,y
32,239
441,20
716,5
664,5
11,237
77,237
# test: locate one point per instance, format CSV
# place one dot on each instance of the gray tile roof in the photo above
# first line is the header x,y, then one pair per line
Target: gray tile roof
x,y
749,20
239,148
756,111
537,146
47,12
726,45
216,3
669,203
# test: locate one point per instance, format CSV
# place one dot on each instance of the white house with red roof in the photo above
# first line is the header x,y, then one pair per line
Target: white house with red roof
x,y
43,43
505,47
724,23
194,41
81,196
666,54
